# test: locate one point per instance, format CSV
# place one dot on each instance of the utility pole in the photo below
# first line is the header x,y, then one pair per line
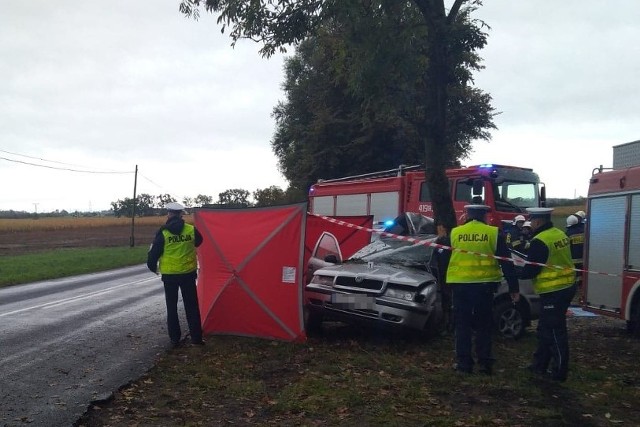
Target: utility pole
x,y
132,241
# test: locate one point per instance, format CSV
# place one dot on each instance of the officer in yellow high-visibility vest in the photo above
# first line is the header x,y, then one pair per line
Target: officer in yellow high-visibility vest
x,y
173,252
556,286
474,273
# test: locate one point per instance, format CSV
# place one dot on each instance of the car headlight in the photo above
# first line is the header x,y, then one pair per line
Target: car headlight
x,y
400,294
427,293
323,280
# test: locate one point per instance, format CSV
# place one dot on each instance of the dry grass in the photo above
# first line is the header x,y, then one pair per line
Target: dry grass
x,y
66,223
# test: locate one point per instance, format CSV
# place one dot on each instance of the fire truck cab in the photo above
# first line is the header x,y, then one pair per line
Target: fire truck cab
x,y
508,190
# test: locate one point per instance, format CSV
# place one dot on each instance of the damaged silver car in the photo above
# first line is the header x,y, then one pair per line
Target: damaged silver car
x,y
389,283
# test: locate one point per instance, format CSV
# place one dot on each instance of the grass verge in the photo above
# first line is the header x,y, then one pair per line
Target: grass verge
x,y
351,376
58,263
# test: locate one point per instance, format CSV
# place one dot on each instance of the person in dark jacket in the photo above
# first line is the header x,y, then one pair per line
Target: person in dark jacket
x,y
474,279
438,265
556,286
514,234
173,254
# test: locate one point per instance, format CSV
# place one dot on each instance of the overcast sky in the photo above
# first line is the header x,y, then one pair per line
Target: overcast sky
x,y
105,86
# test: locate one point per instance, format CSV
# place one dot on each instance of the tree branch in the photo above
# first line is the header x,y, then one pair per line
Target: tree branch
x,y
454,11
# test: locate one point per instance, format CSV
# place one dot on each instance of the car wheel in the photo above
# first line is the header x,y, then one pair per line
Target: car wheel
x,y
312,322
435,325
509,319
633,324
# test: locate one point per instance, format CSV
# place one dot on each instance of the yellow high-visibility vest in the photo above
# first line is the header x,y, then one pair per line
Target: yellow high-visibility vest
x,y
554,279
477,237
179,254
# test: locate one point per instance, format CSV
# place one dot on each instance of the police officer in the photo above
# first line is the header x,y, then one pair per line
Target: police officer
x,y
575,232
474,280
556,287
174,252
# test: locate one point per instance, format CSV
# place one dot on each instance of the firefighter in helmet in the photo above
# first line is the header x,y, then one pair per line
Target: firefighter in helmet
x,y
514,233
575,232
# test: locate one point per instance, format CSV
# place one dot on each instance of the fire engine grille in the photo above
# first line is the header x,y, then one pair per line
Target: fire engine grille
x,y
364,284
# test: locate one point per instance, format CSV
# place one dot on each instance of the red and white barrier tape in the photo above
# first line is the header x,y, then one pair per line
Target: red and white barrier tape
x,y
449,248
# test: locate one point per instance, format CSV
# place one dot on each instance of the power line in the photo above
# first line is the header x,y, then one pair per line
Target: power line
x,y
64,169
36,158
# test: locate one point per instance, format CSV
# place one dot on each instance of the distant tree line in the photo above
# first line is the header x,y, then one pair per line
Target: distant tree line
x,y
236,198
148,205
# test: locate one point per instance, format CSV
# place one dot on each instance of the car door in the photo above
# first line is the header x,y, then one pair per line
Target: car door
x,y
325,252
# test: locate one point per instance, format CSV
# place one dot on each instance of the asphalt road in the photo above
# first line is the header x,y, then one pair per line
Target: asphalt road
x,y
68,342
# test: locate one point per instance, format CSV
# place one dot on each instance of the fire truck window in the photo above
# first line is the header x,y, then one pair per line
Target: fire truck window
x,y
463,191
425,194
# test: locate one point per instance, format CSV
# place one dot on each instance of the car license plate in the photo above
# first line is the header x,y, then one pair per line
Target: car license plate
x,y
353,301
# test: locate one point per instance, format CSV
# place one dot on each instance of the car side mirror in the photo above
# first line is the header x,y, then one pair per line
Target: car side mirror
x,y
332,258
477,187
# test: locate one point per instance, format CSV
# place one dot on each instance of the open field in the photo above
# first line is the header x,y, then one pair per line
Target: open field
x,y
23,236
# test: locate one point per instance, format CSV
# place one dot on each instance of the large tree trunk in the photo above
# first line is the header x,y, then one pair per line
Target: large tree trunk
x,y
435,130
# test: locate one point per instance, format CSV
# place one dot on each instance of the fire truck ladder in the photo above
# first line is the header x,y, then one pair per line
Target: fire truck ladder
x,y
399,171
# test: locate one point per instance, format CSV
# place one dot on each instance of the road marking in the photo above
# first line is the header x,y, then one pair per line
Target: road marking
x,y
79,297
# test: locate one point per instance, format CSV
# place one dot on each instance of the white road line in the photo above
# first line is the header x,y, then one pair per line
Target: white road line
x,y
76,298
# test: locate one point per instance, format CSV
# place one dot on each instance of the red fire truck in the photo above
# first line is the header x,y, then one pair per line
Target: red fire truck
x,y
612,239
508,190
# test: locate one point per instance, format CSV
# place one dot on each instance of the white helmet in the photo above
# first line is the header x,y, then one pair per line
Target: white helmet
x,y
519,218
526,224
581,215
572,219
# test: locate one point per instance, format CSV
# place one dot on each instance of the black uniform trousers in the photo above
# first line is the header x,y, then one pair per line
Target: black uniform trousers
x,y
553,340
186,283
473,312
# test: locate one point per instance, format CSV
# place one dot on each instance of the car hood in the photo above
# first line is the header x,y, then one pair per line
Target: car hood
x,y
382,272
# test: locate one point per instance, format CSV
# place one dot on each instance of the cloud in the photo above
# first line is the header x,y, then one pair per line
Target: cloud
x,y
112,85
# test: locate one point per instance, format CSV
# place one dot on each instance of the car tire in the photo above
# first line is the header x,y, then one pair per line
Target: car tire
x,y
312,322
633,324
435,325
509,319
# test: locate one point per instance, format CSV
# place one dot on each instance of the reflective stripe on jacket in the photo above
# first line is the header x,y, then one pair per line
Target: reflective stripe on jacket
x,y
576,238
179,255
464,267
554,279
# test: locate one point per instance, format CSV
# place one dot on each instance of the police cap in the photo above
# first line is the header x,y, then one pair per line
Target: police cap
x,y
539,212
174,207
476,211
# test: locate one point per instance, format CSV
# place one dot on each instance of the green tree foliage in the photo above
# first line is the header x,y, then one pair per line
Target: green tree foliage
x,y
269,196
234,197
201,200
343,117
124,208
164,199
145,204
406,68
187,201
